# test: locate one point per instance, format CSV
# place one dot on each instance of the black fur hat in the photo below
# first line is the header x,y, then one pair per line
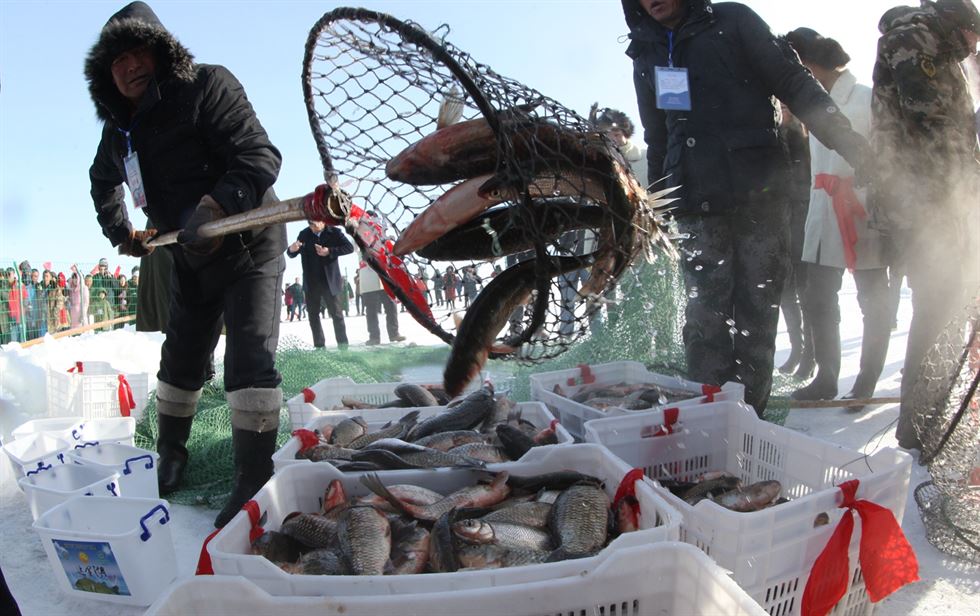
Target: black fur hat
x,y
614,118
816,49
135,25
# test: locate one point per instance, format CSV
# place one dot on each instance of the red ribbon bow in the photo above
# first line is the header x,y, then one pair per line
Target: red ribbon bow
x,y
77,366
307,438
204,566
709,391
308,395
847,208
887,560
627,487
126,401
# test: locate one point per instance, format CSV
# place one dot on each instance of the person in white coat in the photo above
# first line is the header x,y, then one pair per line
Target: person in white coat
x,y
374,298
837,236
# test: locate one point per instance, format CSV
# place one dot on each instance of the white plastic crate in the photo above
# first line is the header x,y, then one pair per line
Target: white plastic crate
x,y
136,467
93,391
535,412
650,580
321,398
300,488
35,452
111,549
54,485
770,552
573,415
59,427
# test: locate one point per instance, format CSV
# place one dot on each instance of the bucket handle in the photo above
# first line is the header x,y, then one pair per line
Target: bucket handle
x,y
111,487
41,466
149,464
145,536
75,432
61,458
88,444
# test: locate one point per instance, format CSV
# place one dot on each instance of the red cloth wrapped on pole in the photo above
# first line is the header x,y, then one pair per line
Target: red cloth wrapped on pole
x,y
887,560
847,207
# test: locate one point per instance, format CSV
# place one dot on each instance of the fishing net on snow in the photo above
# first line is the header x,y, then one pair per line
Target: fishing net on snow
x,y
947,421
531,186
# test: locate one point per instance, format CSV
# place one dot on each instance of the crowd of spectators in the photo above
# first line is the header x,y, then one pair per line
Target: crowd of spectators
x,y
35,302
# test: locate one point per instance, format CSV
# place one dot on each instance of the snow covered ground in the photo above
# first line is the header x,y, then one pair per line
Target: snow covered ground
x,y
948,586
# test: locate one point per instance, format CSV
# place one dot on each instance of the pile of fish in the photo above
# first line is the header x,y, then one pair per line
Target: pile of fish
x,y
727,490
504,521
476,430
406,395
631,397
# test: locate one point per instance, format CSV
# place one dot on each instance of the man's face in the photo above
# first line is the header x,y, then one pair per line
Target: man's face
x,y
47,277
35,276
668,13
317,226
103,269
132,71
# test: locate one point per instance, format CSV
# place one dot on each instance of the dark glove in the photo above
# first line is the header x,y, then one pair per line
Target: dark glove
x,y
135,244
206,211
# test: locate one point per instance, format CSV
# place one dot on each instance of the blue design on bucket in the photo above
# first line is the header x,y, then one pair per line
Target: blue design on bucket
x,y
75,434
61,458
112,488
88,444
40,467
149,464
145,536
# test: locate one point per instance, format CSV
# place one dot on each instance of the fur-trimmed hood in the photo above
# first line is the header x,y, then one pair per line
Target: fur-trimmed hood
x,y
135,25
638,20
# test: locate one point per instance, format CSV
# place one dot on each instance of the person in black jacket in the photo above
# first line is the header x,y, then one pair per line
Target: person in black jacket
x,y
185,139
712,128
320,246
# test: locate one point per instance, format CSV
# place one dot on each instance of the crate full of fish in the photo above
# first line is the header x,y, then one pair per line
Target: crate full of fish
x,y
647,580
554,514
343,394
480,429
579,394
94,389
760,499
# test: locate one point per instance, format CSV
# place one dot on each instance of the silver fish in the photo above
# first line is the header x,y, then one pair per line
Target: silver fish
x,y
364,536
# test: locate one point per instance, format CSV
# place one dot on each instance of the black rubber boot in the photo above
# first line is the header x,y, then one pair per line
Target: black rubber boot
x,y
253,467
171,441
826,351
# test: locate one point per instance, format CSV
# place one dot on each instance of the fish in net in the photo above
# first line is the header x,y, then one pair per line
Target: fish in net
x,y
440,160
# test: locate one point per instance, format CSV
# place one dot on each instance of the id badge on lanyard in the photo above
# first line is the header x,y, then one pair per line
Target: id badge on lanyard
x,y
134,179
672,86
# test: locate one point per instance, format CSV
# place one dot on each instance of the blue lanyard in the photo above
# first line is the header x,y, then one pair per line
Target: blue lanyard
x,y
128,135
670,48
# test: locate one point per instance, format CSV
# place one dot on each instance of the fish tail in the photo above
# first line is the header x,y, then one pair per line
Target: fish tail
x,y
373,482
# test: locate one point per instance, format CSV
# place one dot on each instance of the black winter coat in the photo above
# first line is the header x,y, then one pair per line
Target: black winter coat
x,y
194,131
322,273
727,147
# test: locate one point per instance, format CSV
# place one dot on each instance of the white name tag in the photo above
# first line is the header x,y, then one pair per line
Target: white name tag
x,y
673,90
135,180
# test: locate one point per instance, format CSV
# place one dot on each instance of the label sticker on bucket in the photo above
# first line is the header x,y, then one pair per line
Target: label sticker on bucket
x,y
91,567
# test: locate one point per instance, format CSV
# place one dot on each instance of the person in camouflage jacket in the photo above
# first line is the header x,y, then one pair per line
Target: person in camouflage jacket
x,y
925,141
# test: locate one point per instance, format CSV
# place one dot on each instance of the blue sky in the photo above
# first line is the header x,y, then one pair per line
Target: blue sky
x,y
571,50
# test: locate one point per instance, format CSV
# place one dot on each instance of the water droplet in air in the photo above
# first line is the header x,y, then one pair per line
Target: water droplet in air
x,y
761,285
698,268
730,322
733,331
721,262
745,332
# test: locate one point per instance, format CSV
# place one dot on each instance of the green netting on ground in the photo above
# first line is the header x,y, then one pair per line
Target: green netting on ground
x,y
642,322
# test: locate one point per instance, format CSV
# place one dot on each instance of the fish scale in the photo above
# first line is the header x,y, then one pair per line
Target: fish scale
x,y
364,536
580,520
310,529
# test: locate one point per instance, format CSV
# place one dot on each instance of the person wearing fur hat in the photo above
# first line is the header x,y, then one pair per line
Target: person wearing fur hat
x,y
185,139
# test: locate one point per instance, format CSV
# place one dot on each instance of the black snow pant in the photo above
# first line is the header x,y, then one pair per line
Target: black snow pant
x,y
734,266
249,295
316,297
373,302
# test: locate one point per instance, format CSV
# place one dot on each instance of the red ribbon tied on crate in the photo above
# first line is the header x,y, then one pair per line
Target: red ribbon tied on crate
x,y
308,395
586,378
847,208
307,438
204,566
709,391
624,504
887,560
126,401
78,366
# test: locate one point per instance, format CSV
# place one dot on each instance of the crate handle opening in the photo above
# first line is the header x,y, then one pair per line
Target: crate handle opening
x,y
111,487
149,463
145,535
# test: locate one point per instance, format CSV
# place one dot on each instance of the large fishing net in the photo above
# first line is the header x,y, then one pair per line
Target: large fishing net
x,y
947,421
463,170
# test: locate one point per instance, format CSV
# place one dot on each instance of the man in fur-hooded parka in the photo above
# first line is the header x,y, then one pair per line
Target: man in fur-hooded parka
x,y
202,154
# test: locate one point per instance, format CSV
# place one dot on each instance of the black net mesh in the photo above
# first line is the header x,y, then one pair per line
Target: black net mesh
x,y
947,421
524,180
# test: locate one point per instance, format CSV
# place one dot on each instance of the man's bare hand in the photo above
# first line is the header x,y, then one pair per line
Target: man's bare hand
x,y
295,246
322,250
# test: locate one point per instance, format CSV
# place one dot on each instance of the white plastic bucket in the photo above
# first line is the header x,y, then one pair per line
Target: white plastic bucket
x,y
112,549
48,487
36,451
136,467
59,427
105,430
